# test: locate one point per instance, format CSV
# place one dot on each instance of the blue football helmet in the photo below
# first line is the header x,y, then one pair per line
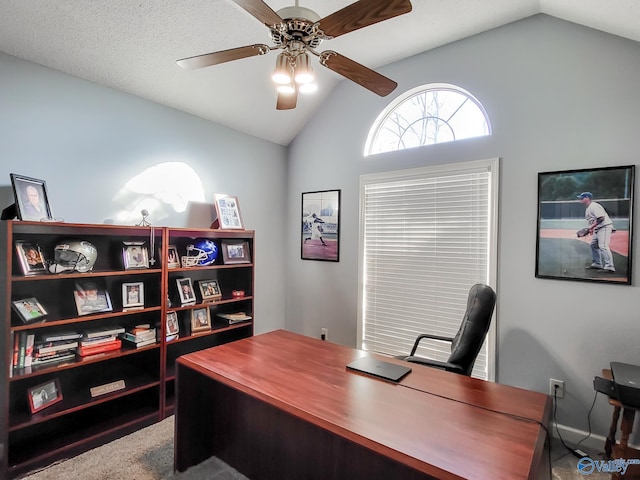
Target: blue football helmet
x,y
202,252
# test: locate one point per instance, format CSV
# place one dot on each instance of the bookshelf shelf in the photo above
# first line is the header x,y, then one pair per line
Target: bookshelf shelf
x,y
78,421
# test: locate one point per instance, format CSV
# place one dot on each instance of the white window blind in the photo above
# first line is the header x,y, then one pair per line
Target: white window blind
x,y
426,238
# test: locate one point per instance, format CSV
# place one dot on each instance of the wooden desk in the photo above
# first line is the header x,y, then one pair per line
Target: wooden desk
x,y
282,405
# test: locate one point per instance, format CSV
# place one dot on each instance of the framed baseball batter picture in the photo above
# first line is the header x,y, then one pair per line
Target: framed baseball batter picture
x,y
320,228
585,225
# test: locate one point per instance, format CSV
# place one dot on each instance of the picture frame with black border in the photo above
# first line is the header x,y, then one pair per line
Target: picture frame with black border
x,y
200,320
320,226
173,325
31,197
185,291
235,251
173,259
44,395
135,255
227,210
585,225
32,262
209,290
91,299
132,296
29,310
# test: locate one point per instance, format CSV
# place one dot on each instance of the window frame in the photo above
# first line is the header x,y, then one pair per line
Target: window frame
x,y
398,101
493,166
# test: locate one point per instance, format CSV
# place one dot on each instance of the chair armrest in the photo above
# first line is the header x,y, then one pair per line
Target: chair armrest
x,y
430,337
449,367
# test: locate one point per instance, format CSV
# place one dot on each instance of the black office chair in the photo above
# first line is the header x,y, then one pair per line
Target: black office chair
x,y
466,345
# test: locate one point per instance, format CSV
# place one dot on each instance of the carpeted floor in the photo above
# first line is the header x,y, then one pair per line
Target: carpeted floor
x,y
148,455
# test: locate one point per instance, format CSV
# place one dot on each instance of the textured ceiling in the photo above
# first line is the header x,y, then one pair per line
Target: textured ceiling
x,y
132,46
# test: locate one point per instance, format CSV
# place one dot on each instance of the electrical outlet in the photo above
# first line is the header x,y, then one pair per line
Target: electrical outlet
x,y
324,333
557,392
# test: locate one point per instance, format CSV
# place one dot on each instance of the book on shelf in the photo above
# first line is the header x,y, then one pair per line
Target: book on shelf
x,y
137,335
234,317
57,336
28,351
88,342
103,332
52,357
105,347
22,346
51,347
151,341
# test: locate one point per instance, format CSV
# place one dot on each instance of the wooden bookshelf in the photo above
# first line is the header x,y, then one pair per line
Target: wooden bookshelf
x,y
79,421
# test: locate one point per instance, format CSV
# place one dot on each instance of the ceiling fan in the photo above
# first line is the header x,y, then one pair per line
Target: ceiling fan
x,y
298,31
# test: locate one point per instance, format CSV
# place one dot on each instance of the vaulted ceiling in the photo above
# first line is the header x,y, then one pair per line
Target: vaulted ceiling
x,y
133,46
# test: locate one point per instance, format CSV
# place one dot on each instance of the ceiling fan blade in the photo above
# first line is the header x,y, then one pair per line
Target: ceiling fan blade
x,y
223,56
355,72
362,14
261,11
287,101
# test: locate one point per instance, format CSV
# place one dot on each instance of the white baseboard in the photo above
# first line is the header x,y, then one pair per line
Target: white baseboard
x,y
571,436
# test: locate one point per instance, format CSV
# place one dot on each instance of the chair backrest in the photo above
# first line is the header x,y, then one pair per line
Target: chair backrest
x,y
468,341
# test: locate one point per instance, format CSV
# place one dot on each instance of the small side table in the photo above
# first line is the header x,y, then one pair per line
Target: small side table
x,y
615,450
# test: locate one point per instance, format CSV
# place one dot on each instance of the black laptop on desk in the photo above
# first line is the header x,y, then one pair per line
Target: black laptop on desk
x,y
378,368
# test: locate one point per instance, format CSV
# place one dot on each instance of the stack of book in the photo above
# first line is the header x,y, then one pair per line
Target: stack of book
x,y
100,340
54,347
139,336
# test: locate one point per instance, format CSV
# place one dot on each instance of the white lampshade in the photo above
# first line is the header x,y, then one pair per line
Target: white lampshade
x,y
282,72
303,70
308,87
287,89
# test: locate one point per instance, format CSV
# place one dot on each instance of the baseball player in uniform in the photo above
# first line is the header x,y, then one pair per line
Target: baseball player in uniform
x,y
316,229
601,228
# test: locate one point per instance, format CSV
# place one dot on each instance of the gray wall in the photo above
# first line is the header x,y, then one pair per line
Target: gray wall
x,y
87,142
560,96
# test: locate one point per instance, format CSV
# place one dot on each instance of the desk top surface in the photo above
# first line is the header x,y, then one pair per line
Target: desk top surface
x,y
440,423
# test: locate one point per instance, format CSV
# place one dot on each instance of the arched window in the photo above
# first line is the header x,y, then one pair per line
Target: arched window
x,y
426,115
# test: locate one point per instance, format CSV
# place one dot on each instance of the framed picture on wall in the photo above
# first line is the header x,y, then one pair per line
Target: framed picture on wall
x,y
32,200
320,236
585,225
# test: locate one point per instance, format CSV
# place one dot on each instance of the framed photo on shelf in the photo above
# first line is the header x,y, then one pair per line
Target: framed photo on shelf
x,y
31,259
90,299
320,229
173,327
32,201
44,395
228,212
585,225
200,320
210,290
235,251
135,255
185,290
29,310
132,296
173,260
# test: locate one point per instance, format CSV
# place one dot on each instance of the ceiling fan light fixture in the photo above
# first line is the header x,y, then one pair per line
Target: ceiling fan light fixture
x,y
303,70
287,89
310,87
282,72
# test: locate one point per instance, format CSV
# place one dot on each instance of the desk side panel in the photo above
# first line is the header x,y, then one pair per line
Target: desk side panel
x,y
264,442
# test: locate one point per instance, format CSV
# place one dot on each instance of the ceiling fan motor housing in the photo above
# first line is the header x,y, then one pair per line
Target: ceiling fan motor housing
x,y
300,24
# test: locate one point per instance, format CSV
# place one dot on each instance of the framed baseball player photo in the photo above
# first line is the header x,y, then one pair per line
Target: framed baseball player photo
x,y
320,227
585,225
